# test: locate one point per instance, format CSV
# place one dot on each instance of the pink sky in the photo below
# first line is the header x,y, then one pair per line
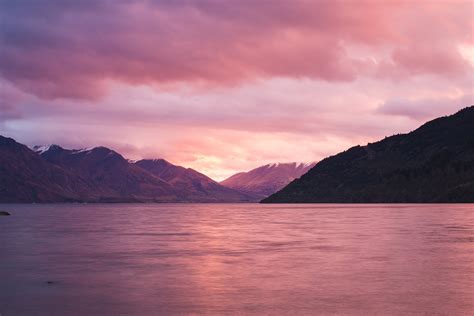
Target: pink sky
x,y
226,86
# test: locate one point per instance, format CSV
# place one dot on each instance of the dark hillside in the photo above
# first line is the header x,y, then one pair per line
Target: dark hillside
x,y
434,163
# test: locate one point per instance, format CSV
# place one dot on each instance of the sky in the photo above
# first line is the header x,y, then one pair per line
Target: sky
x,y
227,86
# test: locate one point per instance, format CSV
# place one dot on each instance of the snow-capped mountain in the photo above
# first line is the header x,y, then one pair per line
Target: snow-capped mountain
x,y
54,174
26,177
266,180
111,177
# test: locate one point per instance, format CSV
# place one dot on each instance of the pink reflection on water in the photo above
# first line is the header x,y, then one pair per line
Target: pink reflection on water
x,y
247,258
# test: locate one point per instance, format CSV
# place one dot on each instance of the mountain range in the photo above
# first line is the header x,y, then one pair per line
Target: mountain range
x,y
55,174
434,163
268,179
197,186
26,177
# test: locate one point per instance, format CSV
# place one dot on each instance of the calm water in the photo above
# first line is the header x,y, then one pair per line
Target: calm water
x,y
237,259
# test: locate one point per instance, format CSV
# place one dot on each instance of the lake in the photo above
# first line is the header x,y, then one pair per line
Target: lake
x,y
180,259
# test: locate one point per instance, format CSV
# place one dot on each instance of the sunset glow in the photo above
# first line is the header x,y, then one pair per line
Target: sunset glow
x,y
226,86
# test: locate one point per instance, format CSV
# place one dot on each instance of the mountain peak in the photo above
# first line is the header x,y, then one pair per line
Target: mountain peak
x,y
267,179
40,149
198,186
53,149
289,164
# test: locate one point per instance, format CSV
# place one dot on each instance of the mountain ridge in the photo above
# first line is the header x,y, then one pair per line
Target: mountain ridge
x,y
110,174
267,179
200,186
26,177
433,163
50,174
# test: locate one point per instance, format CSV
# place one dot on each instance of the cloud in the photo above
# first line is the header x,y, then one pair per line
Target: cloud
x,y
70,49
226,86
10,97
421,109
230,129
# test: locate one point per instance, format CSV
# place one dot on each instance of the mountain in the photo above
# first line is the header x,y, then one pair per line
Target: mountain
x,y
111,176
198,187
267,179
434,163
26,177
54,174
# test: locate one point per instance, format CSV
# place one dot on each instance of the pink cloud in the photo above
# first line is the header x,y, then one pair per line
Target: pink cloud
x,y
230,129
227,86
70,50
423,109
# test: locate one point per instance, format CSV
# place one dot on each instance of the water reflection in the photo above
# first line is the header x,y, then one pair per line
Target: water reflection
x,y
251,259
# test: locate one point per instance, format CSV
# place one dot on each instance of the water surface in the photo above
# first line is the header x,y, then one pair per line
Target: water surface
x,y
179,259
